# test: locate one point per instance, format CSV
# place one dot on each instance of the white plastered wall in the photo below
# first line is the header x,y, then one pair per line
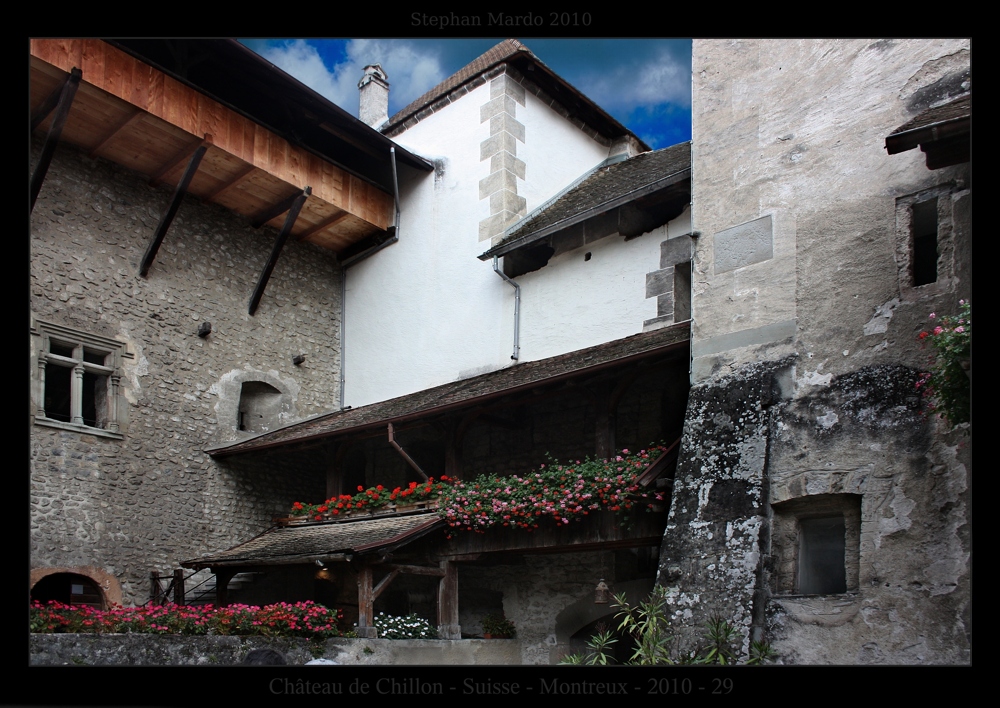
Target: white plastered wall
x,y
425,310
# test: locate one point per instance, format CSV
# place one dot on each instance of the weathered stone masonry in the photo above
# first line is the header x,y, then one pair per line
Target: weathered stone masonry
x,y
863,437
155,498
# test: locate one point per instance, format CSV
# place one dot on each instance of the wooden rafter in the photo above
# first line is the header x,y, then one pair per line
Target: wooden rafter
x,y
114,132
322,225
185,154
133,113
239,179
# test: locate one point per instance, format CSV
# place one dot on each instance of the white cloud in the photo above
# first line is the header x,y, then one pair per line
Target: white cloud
x,y
410,71
660,79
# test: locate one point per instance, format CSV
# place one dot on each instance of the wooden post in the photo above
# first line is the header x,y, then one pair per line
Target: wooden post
x,y
222,578
366,604
155,589
448,626
453,451
178,586
604,424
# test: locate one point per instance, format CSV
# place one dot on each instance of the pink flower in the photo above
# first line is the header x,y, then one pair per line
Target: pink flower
x,y
938,330
960,329
932,315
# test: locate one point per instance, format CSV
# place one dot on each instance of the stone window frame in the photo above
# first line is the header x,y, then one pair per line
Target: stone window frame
x,y
114,353
904,252
786,535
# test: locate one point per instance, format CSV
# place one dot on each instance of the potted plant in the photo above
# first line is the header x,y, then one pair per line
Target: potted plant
x,y
496,626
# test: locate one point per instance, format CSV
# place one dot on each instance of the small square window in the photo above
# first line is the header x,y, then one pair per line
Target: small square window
x,y
925,248
815,544
78,383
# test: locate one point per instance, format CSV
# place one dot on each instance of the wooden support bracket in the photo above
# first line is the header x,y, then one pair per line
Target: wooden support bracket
x,y
175,203
64,101
293,213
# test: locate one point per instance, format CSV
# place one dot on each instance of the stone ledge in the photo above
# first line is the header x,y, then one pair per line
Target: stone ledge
x,y
183,650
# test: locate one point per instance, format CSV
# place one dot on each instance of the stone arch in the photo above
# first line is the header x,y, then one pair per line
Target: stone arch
x,y
253,402
49,581
583,612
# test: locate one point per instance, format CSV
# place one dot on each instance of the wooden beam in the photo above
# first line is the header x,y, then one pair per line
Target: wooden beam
x,y
415,569
384,583
279,243
178,586
366,603
175,203
66,95
222,578
447,604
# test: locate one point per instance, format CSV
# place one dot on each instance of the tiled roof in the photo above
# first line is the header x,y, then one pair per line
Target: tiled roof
x,y
493,56
539,80
464,393
954,110
289,544
606,188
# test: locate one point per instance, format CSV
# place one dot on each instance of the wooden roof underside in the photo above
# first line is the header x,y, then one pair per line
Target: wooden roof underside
x,y
132,114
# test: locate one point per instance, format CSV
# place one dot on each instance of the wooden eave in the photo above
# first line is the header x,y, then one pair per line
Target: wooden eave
x,y
135,115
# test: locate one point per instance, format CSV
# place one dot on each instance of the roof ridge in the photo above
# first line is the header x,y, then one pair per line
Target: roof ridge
x,y
496,54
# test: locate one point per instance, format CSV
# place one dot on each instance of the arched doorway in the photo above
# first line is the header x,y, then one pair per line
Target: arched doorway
x,y
70,589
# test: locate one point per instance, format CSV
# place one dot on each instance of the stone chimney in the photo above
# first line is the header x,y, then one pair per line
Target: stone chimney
x,y
374,88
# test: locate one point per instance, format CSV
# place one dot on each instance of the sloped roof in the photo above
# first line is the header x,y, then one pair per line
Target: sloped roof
x,y
954,110
544,83
941,131
490,58
464,393
304,544
604,189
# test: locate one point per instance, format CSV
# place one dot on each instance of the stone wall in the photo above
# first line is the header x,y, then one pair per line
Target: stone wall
x,y
154,498
805,355
169,650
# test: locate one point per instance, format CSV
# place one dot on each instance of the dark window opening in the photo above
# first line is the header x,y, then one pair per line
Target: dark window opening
x,y
682,292
260,407
822,550
925,242
94,357
58,388
65,350
95,400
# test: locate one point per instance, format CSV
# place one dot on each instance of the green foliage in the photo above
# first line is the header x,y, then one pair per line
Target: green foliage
x,y
648,625
947,387
498,625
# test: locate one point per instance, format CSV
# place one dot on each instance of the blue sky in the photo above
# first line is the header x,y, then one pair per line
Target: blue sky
x,y
644,83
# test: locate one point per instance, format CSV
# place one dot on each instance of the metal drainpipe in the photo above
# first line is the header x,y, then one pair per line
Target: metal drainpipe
x,y
357,259
517,309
